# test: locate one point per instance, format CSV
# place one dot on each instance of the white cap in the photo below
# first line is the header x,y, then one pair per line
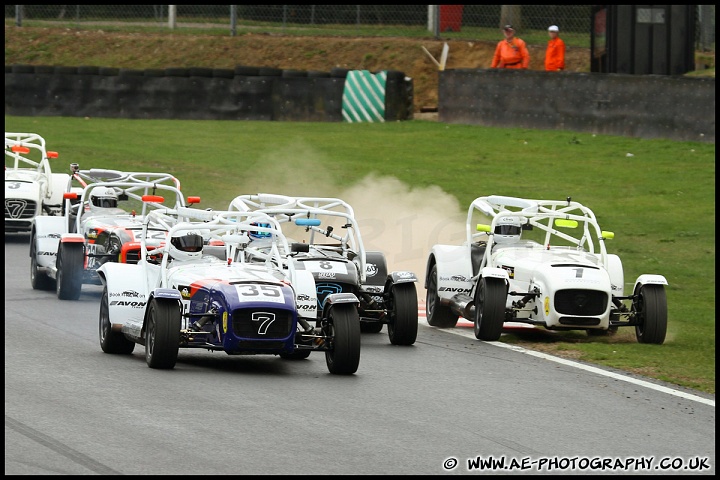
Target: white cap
x,y
553,28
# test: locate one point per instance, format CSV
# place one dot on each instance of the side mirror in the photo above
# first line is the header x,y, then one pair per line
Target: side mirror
x,y
153,198
481,227
192,200
607,235
52,154
70,196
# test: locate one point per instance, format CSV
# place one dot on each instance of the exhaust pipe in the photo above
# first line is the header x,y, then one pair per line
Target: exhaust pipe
x,y
462,304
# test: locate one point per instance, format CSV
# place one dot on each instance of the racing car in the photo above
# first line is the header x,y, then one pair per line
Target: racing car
x,y
67,250
31,189
209,288
542,263
335,255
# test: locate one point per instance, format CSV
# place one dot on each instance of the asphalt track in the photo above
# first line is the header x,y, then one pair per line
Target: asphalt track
x,y
431,408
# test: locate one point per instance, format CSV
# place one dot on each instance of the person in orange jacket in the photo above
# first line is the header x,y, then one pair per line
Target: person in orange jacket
x,y
511,52
555,53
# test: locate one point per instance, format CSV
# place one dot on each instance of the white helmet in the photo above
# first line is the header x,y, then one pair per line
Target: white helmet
x,y
104,197
508,229
186,245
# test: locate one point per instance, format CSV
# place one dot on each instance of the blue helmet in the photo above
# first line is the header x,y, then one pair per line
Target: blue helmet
x,y
260,235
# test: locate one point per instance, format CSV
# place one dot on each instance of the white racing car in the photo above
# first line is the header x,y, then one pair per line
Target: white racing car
x,y
31,189
561,277
210,287
102,219
335,255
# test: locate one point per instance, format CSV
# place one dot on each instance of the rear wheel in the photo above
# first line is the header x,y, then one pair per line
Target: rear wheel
x,y
490,297
650,305
39,280
437,315
403,324
162,333
111,342
344,329
70,269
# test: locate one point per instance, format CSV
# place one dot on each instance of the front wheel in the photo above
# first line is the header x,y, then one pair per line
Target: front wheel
x,y
70,269
344,329
437,315
403,324
490,297
111,342
162,334
650,305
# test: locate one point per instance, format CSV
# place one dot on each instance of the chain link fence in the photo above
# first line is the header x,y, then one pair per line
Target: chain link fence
x,y
450,22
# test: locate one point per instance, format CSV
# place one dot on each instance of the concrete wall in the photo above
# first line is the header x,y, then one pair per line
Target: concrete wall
x,y
645,106
245,93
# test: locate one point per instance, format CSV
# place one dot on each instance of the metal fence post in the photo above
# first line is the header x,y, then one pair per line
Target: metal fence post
x,y
233,20
172,15
18,15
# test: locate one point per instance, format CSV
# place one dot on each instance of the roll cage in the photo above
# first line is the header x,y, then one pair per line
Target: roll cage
x,y
545,215
287,209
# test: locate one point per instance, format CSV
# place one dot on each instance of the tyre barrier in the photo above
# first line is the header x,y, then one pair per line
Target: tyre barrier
x,y
195,93
643,106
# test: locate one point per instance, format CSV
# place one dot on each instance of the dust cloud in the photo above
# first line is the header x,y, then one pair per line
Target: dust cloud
x,y
394,218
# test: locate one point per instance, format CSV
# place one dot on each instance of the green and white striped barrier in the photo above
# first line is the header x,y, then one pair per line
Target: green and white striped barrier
x,y
364,96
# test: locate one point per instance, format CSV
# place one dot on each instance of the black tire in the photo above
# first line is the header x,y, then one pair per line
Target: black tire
x,y
162,333
244,71
111,342
371,327
154,72
296,355
490,298
130,72
109,71
403,324
177,72
200,72
44,69
269,72
650,305
437,315
88,70
70,268
23,69
39,280
223,73
344,329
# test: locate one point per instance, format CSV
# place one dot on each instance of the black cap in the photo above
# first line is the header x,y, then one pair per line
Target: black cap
x,y
508,27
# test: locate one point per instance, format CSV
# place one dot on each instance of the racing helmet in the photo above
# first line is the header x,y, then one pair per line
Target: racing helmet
x,y
254,234
186,245
104,197
507,230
